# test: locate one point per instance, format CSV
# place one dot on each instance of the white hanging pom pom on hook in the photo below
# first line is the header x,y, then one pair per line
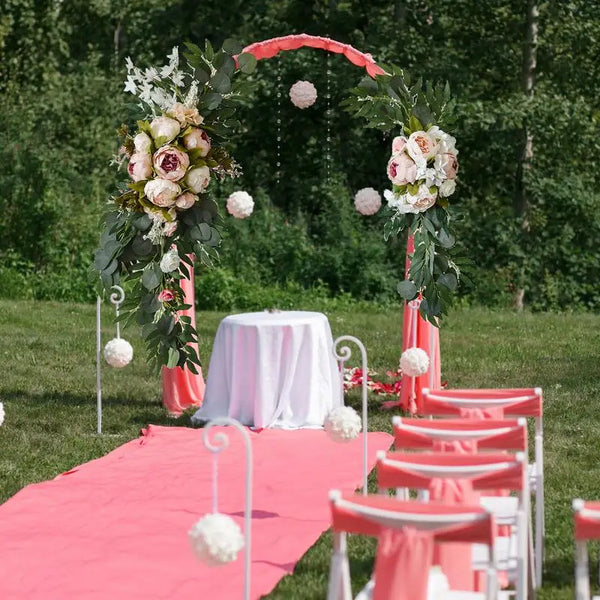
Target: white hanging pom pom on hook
x,y
118,353
303,94
216,539
367,201
414,362
343,424
240,204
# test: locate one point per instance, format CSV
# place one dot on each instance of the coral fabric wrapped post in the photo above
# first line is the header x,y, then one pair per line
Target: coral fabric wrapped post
x,y
163,214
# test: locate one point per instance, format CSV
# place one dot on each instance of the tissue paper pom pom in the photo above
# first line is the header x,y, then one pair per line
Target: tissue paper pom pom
x,y
303,94
343,424
118,353
216,539
367,201
414,362
1,413
240,205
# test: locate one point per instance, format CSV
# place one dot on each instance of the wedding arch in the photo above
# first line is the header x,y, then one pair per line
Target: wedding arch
x,y
169,216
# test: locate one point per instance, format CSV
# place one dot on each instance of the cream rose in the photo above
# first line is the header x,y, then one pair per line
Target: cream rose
x,y
197,139
198,179
398,144
143,143
165,128
162,192
423,199
401,169
421,146
447,188
186,200
170,261
171,163
185,115
140,166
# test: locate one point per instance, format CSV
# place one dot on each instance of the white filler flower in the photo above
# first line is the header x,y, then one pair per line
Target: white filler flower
x,y
414,362
118,353
240,205
343,424
303,94
367,201
216,539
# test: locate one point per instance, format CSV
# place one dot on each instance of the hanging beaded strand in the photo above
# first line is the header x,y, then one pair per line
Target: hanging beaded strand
x,y
328,123
278,162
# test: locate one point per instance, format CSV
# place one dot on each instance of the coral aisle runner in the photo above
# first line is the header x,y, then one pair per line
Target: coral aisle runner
x,y
116,528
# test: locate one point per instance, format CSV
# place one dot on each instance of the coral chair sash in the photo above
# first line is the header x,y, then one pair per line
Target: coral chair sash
x,y
272,47
181,388
405,550
460,435
587,522
492,403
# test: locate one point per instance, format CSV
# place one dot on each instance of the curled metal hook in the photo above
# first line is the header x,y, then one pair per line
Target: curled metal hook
x,y
117,296
343,353
219,442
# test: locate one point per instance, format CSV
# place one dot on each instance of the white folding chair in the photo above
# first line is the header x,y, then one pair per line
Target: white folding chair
x,y
499,403
373,515
587,528
409,471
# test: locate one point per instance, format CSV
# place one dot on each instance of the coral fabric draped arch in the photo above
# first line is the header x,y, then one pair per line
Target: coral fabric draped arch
x,y
181,388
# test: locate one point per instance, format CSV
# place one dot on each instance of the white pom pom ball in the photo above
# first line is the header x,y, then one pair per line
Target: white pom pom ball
x,y
343,424
414,362
240,205
2,414
367,201
303,94
216,539
118,353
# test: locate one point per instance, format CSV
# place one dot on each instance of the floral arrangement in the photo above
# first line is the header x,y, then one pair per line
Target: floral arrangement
x,y
422,169
163,214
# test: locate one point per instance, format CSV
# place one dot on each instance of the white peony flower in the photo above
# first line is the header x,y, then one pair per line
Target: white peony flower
x,y
140,166
446,142
162,192
2,413
414,362
216,539
118,353
343,424
240,204
165,128
303,94
447,188
367,201
198,179
170,261
423,199
143,143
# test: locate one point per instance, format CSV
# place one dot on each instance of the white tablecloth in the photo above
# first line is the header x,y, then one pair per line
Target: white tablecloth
x,y
272,370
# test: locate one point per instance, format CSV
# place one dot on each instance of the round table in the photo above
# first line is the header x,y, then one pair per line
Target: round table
x,y
272,369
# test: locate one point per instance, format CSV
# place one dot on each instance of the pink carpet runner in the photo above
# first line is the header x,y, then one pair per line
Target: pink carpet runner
x,y
116,528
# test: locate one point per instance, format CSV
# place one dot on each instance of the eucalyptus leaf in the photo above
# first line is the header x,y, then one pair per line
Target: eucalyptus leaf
x,y
220,83
232,46
150,280
247,63
407,289
448,280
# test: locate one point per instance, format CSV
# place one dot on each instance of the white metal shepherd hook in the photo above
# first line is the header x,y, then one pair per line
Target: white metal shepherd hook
x,y
342,355
220,442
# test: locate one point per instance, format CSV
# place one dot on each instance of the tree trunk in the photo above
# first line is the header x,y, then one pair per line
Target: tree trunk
x,y
521,201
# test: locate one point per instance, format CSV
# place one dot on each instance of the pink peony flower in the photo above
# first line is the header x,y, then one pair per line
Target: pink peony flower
x,y
402,169
197,138
451,166
169,228
140,167
171,163
421,145
162,192
166,296
186,200
398,144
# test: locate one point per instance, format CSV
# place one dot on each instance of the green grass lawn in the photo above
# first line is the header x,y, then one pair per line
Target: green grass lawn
x,y
47,384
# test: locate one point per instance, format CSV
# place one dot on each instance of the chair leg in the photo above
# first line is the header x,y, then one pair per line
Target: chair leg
x,y
339,587
582,573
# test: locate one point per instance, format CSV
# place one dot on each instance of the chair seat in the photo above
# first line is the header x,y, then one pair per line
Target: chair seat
x,y
506,555
504,508
458,595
